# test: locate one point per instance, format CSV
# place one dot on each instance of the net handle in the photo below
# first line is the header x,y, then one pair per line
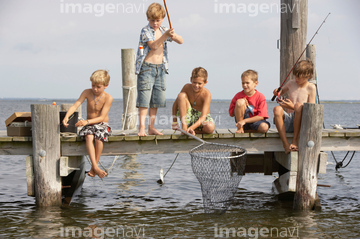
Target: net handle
x,y
190,135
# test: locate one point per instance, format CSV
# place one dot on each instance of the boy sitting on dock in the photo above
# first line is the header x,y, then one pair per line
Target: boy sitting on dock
x,y
151,66
193,105
249,106
287,115
96,129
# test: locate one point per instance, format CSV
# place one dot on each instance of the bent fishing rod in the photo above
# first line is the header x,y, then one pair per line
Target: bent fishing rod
x,y
278,90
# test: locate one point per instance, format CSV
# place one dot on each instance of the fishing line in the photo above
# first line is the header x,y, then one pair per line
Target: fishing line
x,y
278,90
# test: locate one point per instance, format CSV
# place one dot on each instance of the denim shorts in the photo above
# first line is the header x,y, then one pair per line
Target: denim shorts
x,y
253,126
151,86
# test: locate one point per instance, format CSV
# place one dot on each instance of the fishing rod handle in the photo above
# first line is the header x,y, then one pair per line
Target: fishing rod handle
x,y
190,135
278,90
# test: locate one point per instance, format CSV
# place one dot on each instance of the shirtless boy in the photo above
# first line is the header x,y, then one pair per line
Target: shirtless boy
x,y
193,105
151,66
287,115
95,128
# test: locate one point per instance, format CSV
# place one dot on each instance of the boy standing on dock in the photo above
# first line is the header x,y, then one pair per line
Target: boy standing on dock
x,y
96,129
193,105
249,106
287,115
151,66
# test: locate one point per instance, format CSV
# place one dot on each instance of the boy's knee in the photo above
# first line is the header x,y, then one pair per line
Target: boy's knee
x,y
182,96
240,103
208,127
278,110
263,128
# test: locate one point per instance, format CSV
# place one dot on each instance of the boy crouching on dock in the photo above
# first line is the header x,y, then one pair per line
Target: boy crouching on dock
x,y
95,128
287,115
249,106
193,105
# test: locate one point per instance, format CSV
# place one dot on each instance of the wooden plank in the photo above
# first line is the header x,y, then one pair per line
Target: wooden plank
x,y
224,133
30,176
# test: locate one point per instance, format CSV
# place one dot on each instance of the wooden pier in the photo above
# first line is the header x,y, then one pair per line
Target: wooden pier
x,y
52,156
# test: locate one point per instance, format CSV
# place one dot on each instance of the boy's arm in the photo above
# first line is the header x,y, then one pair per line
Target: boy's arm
x,y
177,38
154,45
73,108
312,93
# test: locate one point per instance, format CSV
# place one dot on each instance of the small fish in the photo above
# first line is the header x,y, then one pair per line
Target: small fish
x,y
251,108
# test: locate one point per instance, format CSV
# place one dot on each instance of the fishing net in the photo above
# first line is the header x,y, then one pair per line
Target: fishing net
x,y
219,169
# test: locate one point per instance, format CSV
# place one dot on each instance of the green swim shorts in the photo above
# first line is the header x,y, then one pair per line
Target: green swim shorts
x,y
192,115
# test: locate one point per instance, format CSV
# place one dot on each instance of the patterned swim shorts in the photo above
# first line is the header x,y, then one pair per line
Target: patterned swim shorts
x,y
101,131
193,115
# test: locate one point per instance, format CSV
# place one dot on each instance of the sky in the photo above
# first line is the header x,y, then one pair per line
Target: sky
x,y
48,49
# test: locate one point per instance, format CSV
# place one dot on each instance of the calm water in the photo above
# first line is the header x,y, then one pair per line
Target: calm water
x,y
129,202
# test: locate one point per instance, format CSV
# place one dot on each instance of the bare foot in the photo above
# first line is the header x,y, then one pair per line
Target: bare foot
x,y
240,131
141,132
293,147
154,131
99,172
91,173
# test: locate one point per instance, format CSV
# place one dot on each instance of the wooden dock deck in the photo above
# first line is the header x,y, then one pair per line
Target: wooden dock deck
x,y
174,142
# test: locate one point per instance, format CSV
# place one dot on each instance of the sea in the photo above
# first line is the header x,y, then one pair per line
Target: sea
x,y
129,203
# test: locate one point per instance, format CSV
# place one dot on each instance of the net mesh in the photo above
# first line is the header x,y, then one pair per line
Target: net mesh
x,y
219,169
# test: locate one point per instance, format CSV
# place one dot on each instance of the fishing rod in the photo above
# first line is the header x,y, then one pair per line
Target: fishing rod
x,y
278,90
167,13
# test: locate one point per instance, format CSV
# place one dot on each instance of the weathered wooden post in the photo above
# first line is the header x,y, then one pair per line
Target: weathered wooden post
x,y
129,89
309,150
292,34
46,154
311,55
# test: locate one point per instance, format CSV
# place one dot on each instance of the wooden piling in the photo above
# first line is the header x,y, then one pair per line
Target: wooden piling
x,y
311,55
46,154
292,34
309,150
129,89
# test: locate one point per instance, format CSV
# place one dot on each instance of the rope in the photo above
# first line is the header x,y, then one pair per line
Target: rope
x,y
127,106
106,170
339,164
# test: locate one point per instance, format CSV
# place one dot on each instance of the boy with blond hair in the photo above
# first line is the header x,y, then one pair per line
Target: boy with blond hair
x,y
96,127
249,106
193,105
287,115
151,66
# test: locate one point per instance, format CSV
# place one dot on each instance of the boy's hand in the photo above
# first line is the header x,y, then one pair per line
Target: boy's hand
x,y
191,131
170,33
175,125
64,122
286,103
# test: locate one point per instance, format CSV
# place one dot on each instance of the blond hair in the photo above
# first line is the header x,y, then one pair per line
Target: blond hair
x,y
155,11
304,68
100,77
253,75
199,72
